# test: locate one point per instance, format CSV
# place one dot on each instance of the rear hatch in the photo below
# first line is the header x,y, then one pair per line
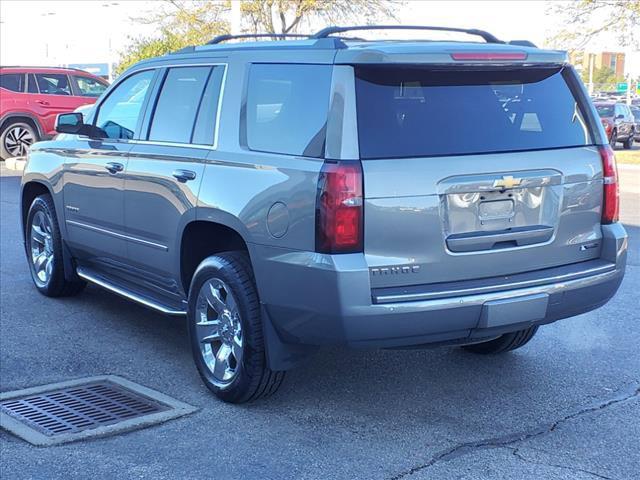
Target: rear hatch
x,y
473,172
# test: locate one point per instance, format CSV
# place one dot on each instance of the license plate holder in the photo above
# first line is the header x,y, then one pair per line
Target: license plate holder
x,y
496,209
528,308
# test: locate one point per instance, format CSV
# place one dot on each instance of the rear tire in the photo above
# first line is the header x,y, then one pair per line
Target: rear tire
x,y
43,244
15,139
504,343
225,330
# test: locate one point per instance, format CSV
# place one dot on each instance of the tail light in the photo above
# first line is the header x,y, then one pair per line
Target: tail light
x,y
339,208
607,126
488,56
611,194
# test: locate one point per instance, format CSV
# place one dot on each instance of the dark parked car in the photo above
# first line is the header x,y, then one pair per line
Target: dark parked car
x,y
618,123
32,97
635,111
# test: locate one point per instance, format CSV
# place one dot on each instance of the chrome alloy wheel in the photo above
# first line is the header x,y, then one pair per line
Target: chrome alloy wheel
x,y
219,331
42,246
17,141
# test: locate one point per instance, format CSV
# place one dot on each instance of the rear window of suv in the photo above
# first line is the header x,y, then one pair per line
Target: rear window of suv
x,y
417,111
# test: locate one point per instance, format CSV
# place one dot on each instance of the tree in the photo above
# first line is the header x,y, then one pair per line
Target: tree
x,y
182,22
604,78
286,16
179,24
585,20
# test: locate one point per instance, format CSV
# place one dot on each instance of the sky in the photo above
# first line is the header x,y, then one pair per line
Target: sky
x,y
58,32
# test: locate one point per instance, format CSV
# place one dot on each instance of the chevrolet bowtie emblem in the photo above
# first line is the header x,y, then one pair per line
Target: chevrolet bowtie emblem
x,y
507,181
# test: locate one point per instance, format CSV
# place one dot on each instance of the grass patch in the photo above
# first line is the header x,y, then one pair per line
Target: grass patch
x,y
628,156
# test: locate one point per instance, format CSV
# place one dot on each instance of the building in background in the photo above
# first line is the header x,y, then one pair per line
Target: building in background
x,y
612,60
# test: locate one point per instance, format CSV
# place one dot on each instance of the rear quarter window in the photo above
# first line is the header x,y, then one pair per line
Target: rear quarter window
x,y
286,108
13,81
413,112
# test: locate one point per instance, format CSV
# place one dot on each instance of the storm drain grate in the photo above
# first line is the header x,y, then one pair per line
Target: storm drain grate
x,y
76,409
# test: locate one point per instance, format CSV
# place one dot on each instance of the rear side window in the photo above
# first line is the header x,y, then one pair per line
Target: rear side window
x,y
286,108
13,81
53,83
31,84
414,112
205,127
177,105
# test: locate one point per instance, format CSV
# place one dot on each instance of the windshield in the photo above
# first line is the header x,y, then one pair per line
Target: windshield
x,y
605,110
409,111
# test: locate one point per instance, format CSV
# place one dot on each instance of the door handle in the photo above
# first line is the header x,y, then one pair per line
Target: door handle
x,y
42,102
114,167
184,175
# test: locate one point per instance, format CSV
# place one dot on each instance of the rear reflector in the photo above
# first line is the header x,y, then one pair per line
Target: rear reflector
x,y
488,56
339,209
611,194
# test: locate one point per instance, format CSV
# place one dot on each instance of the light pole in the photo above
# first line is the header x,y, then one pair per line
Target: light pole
x,y
236,17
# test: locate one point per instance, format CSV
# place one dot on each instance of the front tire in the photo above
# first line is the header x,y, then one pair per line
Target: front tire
x,y
613,139
43,244
628,143
504,343
225,330
16,138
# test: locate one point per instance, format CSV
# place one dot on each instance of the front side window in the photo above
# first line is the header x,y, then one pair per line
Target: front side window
x,y
286,108
12,81
119,113
53,83
178,103
89,87
409,111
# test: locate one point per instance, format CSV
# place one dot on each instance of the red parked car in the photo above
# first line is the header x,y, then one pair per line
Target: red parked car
x,y
32,97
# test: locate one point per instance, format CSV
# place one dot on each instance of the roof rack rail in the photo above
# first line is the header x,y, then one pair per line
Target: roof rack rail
x,y
325,32
44,67
228,36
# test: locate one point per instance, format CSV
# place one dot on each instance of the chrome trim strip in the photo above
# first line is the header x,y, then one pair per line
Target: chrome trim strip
x,y
118,235
129,295
502,290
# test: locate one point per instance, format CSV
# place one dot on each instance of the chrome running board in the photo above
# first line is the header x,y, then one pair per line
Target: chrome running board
x,y
142,300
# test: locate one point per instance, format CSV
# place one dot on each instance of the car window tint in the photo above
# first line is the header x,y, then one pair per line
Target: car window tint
x,y
53,83
89,87
286,108
31,84
409,111
12,81
205,128
177,105
119,113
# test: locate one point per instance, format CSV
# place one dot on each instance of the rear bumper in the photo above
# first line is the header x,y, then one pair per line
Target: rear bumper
x,y
318,299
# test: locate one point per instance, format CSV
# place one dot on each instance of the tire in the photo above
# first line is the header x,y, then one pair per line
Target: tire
x,y
504,343
43,244
613,139
15,139
223,290
628,143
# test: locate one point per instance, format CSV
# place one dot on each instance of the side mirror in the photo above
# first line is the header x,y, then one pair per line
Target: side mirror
x,y
69,122
73,123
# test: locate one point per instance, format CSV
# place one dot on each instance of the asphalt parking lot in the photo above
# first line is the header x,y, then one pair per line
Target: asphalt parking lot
x,y
567,405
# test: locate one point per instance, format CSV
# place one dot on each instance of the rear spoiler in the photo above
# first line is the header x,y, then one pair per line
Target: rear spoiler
x,y
415,53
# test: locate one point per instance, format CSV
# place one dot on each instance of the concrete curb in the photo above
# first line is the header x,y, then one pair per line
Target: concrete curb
x,y
15,163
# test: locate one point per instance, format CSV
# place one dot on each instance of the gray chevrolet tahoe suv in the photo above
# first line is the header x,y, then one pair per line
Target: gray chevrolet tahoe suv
x,y
289,195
